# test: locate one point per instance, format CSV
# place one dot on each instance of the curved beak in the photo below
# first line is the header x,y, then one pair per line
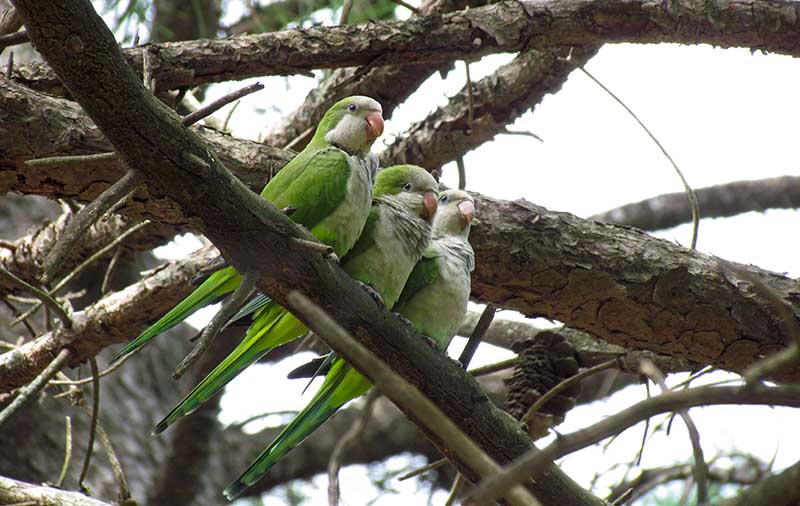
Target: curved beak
x,y
429,205
466,211
374,125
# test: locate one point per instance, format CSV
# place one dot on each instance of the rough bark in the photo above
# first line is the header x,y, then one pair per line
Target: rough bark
x,y
626,287
770,25
497,100
252,234
672,209
390,85
251,161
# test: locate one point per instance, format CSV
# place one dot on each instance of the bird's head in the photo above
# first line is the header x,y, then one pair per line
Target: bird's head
x,y
412,186
455,214
351,124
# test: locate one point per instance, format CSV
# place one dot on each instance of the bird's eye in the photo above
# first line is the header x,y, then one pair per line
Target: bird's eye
x,y
352,107
407,187
443,199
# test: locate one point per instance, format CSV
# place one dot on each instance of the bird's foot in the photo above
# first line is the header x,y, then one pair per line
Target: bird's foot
x,y
405,321
430,342
372,293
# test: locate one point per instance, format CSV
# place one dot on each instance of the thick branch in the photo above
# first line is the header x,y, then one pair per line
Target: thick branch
x,y
776,490
771,25
498,100
390,85
625,287
251,233
672,209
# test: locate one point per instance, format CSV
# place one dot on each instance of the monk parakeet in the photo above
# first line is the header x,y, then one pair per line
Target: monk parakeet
x,y
394,239
435,297
327,187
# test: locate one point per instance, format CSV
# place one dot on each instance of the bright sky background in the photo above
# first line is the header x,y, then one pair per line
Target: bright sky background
x,y
724,115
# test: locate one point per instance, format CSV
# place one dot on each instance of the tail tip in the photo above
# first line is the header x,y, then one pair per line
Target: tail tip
x,y
234,490
160,427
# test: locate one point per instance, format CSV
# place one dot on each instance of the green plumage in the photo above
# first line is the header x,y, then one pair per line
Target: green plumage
x,y
392,242
328,188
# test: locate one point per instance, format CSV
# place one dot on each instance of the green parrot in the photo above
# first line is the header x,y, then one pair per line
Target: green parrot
x,y
327,188
435,297
395,237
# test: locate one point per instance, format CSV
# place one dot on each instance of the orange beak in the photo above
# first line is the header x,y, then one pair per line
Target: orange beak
x,y
429,205
374,125
466,211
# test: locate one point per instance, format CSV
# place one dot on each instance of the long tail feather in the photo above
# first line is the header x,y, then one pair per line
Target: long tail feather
x,y
217,285
342,384
273,326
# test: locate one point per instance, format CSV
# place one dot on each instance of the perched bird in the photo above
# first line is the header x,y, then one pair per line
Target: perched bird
x,y
395,237
435,296
327,188
434,299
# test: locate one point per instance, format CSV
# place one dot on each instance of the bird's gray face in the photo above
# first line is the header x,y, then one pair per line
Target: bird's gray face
x,y
420,194
456,212
360,125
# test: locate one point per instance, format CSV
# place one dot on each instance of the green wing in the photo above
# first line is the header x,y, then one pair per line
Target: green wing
x,y
367,238
314,183
424,273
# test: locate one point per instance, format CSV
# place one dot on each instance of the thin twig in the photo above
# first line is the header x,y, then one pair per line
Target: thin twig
x,y
68,162
566,384
344,444
229,308
313,246
15,312
230,115
623,498
700,469
30,390
67,453
646,429
497,366
13,39
294,142
93,426
347,6
110,271
462,173
10,65
484,322
688,189
470,98
525,133
98,255
207,110
403,394
532,462
451,498
406,5
41,295
424,469
85,218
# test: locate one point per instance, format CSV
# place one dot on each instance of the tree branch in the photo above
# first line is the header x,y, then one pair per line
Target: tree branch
x,y
18,492
497,100
672,209
251,233
770,25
